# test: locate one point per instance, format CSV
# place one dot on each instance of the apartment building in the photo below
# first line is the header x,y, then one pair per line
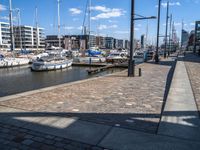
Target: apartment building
x,y
28,37
4,35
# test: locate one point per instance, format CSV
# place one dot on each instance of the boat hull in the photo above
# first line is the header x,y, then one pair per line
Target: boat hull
x,y
92,59
13,62
36,66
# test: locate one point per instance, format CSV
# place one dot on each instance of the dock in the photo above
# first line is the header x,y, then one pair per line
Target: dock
x,y
97,70
99,67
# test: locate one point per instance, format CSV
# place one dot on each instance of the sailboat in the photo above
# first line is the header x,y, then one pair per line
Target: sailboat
x,y
92,55
53,61
6,62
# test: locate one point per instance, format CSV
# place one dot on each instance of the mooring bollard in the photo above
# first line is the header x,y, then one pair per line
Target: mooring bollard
x,y
140,72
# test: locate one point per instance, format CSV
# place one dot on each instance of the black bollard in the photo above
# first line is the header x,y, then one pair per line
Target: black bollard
x,y
140,72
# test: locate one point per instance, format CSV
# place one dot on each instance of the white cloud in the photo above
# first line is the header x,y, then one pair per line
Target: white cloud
x,y
2,7
170,4
7,18
107,13
104,27
100,8
75,11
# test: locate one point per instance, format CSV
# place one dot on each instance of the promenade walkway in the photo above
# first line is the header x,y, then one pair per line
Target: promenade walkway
x,y
180,117
111,112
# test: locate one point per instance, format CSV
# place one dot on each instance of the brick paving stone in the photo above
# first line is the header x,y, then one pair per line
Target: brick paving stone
x,y
38,139
36,145
27,142
47,147
59,144
24,147
23,141
49,142
192,63
58,139
28,136
50,137
68,147
97,148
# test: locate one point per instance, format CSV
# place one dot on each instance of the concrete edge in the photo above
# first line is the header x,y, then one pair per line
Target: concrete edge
x,y
169,88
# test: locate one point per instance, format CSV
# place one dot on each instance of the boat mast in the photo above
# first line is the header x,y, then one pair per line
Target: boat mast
x,y
19,28
37,33
59,23
89,21
147,34
12,46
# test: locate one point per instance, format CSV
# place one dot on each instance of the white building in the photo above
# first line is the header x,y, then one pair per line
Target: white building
x,y
27,37
4,35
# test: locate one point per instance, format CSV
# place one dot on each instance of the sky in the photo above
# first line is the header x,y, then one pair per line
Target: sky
x,y
108,17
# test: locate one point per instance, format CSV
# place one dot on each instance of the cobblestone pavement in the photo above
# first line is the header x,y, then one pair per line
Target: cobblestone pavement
x,y
16,138
134,103
192,63
114,100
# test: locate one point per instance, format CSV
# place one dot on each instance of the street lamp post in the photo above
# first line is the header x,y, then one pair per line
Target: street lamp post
x,y
131,65
158,33
166,31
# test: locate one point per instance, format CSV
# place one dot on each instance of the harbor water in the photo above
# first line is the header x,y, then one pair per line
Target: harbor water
x,y
21,79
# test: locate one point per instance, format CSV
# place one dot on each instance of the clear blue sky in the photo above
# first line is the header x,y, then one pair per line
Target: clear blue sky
x,y
109,17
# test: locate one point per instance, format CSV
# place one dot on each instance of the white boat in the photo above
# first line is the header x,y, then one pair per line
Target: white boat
x,y
13,62
46,64
138,56
116,57
55,59
34,58
91,59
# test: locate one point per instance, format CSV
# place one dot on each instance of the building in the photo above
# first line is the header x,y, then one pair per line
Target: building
x,y
100,42
53,40
197,37
118,44
92,41
28,37
184,38
73,42
109,42
4,35
191,41
126,44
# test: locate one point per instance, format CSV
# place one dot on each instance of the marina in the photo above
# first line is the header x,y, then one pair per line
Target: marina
x,y
99,75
